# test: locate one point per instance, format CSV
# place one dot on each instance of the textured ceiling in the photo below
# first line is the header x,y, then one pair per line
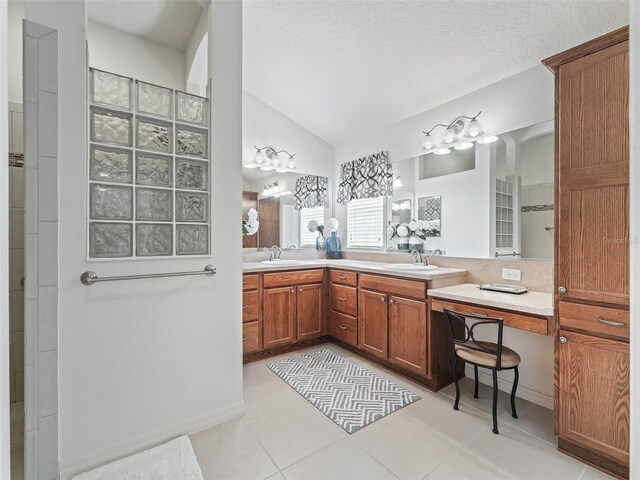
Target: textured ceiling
x,y
338,68
170,22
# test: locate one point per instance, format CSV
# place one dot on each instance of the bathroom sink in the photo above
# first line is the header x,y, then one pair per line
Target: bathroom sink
x,y
409,266
282,262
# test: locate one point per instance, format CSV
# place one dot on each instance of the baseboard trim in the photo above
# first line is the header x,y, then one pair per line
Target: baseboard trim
x,y
123,449
523,392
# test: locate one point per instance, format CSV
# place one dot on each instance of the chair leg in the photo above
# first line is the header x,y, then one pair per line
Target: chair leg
x,y
455,380
495,401
475,391
513,392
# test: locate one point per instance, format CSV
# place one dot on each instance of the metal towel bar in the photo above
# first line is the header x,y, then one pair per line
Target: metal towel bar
x,y
89,278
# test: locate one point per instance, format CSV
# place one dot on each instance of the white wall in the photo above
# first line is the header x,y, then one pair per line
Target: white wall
x,y
125,54
634,132
144,361
536,160
264,125
195,58
16,15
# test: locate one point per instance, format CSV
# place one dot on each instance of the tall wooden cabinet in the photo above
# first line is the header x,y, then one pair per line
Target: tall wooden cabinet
x,y
592,251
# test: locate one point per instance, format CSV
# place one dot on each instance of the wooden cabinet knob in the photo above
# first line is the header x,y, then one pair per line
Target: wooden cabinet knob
x,y
244,339
244,307
383,299
342,327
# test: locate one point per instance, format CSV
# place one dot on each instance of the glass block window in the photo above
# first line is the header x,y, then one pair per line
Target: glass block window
x,y
504,214
149,170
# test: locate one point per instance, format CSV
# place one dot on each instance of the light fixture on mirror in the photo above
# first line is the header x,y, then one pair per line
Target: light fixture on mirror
x,y
458,134
267,158
397,183
273,190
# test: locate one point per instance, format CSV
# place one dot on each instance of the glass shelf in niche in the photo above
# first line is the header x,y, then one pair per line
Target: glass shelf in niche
x,y
192,174
154,204
110,202
154,169
110,126
110,164
192,109
154,239
110,89
154,100
192,239
192,207
191,141
110,240
152,134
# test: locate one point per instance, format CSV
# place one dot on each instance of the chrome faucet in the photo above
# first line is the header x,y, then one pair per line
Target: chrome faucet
x,y
266,250
417,257
277,252
437,251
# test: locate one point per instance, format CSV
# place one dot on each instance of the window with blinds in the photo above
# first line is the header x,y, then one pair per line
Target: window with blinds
x,y
365,223
307,238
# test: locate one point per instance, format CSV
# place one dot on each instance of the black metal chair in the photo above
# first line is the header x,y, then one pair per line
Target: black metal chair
x,y
493,356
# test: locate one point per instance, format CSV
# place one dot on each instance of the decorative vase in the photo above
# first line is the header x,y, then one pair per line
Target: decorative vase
x,y
320,242
334,246
416,243
403,243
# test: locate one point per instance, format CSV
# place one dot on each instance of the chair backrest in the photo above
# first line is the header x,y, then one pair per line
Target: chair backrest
x,y
458,323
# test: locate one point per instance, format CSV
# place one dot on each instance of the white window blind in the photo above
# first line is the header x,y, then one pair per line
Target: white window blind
x,y
365,223
307,238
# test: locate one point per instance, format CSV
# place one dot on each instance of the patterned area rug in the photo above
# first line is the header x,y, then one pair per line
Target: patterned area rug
x,y
347,393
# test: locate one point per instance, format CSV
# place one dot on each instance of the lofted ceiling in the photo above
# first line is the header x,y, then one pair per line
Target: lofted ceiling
x,y
169,22
340,68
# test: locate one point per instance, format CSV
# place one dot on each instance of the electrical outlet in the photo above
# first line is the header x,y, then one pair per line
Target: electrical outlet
x,y
511,274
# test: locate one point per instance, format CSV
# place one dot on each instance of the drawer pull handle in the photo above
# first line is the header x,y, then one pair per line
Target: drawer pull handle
x,y
293,290
342,277
611,323
244,282
392,301
244,307
244,339
300,290
477,314
342,299
342,327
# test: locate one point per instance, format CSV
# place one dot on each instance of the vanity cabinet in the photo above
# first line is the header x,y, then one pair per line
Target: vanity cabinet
x,y
373,324
408,334
309,311
592,251
279,316
251,321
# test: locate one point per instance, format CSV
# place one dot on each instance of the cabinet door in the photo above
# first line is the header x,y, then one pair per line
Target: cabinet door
x,y
309,311
373,323
593,177
279,316
408,334
593,404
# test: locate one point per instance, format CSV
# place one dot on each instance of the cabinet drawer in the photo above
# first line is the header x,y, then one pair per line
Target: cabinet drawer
x,y
344,299
520,321
398,286
250,282
250,337
602,320
344,328
280,279
250,306
344,278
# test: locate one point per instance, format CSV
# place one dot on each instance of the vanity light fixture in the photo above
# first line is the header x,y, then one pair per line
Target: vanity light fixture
x,y
474,129
459,134
273,190
267,158
397,183
488,139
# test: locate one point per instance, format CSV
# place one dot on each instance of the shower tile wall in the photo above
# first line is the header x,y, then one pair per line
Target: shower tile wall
x,y
536,214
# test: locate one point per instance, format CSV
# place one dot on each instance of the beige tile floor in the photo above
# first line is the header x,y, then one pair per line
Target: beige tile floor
x,y
283,437
17,441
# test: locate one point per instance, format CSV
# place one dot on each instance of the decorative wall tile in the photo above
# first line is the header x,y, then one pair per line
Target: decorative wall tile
x,y
154,134
191,141
110,89
110,202
154,204
108,126
192,239
192,174
108,240
154,170
154,100
192,207
154,239
110,164
191,108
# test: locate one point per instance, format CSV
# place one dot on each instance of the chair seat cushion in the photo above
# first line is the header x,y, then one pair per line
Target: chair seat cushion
x,y
509,358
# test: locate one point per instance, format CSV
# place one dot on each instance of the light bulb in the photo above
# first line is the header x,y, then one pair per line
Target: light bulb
x,y
275,161
397,183
442,151
291,164
464,146
474,129
428,142
489,139
275,189
449,135
259,157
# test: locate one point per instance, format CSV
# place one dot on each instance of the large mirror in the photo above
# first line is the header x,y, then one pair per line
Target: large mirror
x,y
271,195
490,201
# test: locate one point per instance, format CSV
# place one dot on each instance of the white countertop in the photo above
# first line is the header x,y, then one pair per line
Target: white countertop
x,y
360,266
535,303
